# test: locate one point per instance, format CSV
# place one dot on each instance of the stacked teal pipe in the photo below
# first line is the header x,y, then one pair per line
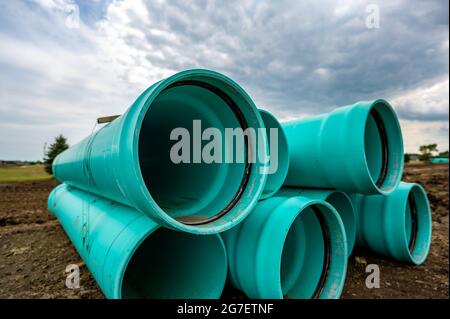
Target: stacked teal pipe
x,y
278,166
289,247
339,200
148,226
129,159
130,256
397,225
356,148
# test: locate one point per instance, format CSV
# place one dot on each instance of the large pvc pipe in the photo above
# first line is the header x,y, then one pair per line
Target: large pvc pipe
x,y
129,159
130,256
339,200
288,248
279,161
398,225
356,148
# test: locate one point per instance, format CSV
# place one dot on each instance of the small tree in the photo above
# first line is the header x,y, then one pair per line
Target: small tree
x,y
407,158
53,150
443,154
426,152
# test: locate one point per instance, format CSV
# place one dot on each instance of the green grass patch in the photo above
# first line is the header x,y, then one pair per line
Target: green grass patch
x,y
416,163
23,173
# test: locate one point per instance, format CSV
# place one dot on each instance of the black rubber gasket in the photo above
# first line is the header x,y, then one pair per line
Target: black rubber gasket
x,y
248,166
414,223
327,254
384,146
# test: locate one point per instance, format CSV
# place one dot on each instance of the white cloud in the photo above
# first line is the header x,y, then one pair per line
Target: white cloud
x,y
427,102
294,58
416,133
322,72
54,4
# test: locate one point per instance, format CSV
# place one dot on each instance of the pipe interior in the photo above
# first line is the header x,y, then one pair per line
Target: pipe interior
x,y
373,147
344,207
304,257
417,225
383,145
170,264
410,218
275,179
190,192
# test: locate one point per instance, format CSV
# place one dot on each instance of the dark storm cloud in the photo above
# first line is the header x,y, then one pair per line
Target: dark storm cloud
x,y
306,56
295,58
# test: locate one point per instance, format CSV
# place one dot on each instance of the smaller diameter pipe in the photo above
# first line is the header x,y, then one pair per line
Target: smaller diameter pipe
x,y
130,256
339,200
396,226
356,148
279,161
288,248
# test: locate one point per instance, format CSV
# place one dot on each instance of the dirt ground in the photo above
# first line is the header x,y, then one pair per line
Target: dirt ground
x,y
34,250
397,280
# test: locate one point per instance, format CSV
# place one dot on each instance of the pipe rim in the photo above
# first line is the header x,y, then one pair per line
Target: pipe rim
x,y
345,208
332,276
416,247
391,140
327,254
247,198
275,181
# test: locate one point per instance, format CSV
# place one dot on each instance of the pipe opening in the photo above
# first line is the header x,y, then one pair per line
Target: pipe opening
x,y
383,145
193,192
376,147
170,264
307,256
411,222
276,178
327,255
344,207
417,225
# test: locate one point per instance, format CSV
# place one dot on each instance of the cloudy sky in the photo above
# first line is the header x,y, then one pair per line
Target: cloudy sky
x,y
295,58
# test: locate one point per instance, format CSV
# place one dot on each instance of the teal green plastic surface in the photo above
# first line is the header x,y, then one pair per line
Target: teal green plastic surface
x,y
275,179
356,148
397,225
437,160
288,248
130,256
339,200
129,161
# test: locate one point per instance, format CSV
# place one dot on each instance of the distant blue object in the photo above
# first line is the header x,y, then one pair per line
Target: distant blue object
x,y
436,160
